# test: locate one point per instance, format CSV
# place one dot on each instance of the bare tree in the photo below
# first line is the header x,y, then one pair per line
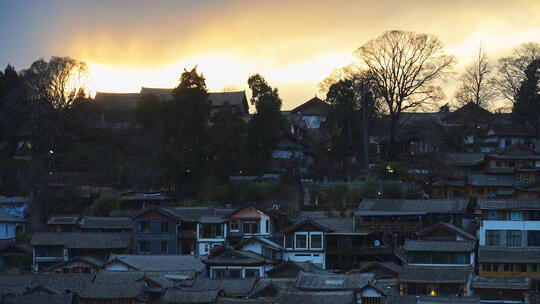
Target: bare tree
x,y
478,84
512,69
58,81
405,67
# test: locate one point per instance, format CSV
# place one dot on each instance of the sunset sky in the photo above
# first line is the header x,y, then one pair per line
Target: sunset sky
x,y
293,44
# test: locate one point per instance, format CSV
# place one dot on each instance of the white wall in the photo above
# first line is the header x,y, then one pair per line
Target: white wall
x,y
116,267
505,225
8,233
316,258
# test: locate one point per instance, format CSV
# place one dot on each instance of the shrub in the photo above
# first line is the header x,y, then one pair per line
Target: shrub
x,y
104,205
392,189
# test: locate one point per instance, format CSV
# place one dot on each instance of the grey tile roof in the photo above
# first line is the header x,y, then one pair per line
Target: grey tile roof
x,y
230,287
160,262
403,206
327,282
325,297
7,217
434,274
388,265
190,296
245,301
194,214
112,290
464,159
82,240
281,283
439,300
90,260
337,224
15,200
236,257
18,284
63,220
520,283
505,204
395,299
95,222
446,246
508,255
261,240
307,266
44,299
448,226
491,180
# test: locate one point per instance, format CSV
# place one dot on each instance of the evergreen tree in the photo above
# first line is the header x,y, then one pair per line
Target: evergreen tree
x,y
267,125
526,108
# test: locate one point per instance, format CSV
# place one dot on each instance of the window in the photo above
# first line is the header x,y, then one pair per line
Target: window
x,y
522,268
144,246
164,247
508,267
498,164
252,273
235,273
164,227
493,238
533,267
513,238
439,257
486,267
316,241
461,258
516,216
211,231
496,267
267,226
533,238
144,226
417,257
235,226
250,227
300,241
534,215
218,274
206,248
511,164
289,240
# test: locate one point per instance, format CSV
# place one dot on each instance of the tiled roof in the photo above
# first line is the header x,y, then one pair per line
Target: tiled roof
x,y
464,159
95,222
505,204
63,220
404,206
508,255
319,297
182,295
160,262
327,282
7,217
116,290
40,298
82,240
230,287
491,180
521,283
441,225
446,246
434,274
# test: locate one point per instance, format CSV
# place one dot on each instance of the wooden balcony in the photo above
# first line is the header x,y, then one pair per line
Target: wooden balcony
x,y
390,226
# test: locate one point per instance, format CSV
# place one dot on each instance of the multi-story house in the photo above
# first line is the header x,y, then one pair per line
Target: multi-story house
x,y
305,241
51,248
248,221
398,219
440,262
155,231
227,263
509,242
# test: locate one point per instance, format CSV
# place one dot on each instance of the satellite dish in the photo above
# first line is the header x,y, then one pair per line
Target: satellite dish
x,y
377,243
275,206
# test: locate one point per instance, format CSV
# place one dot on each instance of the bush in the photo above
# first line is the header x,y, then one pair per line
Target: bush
x,y
104,205
392,189
334,194
370,188
353,195
315,194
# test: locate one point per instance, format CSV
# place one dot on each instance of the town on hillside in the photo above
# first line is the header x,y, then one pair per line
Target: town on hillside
x,y
371,192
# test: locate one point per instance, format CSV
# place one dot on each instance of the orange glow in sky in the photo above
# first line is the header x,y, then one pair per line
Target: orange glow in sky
x,y
293,44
